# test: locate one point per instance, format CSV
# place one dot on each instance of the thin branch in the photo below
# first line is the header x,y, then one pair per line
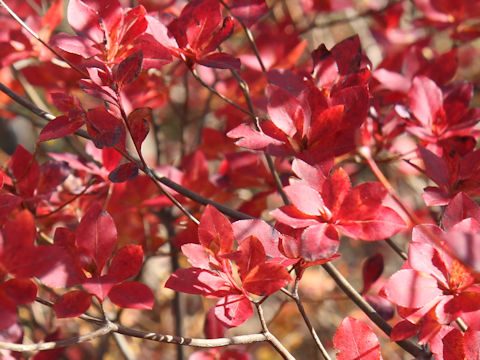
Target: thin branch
x,y
277,345
221,96
295,296
123,346
106,329
348,289
348,19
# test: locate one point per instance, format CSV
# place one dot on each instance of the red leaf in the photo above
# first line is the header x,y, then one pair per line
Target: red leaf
x,y
8,311
403,330
198,282
250,254
126,263
129,69
336,188
453,347
459,208
138,121
99,286
426,101
471,344
371,270
233,310
19,233
105,129
435,167
8,203
213,328
25,171
215,231
133,295
264,232
363,216
411,289
220,61
59,127
96,236
318,242
249,11
219,36
197,22
265,279
356,341
72,304
20,291
285,111
124,172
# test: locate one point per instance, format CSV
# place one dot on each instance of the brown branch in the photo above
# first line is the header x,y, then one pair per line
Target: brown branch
x,y
295,296
106,329
348,289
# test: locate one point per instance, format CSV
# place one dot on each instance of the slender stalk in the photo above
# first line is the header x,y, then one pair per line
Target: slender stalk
x,y
221,96
277,345
296,297
106,329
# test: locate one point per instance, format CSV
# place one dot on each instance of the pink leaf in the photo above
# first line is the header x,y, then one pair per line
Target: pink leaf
x,y
285,110
133,295
249,11
84,20
72,304
198,282
356,341
99,286
318,242
411,289
459,208
233,310
426,101
305,199
264,232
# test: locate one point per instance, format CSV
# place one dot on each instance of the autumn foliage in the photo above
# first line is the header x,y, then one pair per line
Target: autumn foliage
x,y
263,179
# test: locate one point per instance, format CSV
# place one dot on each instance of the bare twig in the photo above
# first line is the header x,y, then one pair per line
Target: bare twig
x,y
295,296
106,329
